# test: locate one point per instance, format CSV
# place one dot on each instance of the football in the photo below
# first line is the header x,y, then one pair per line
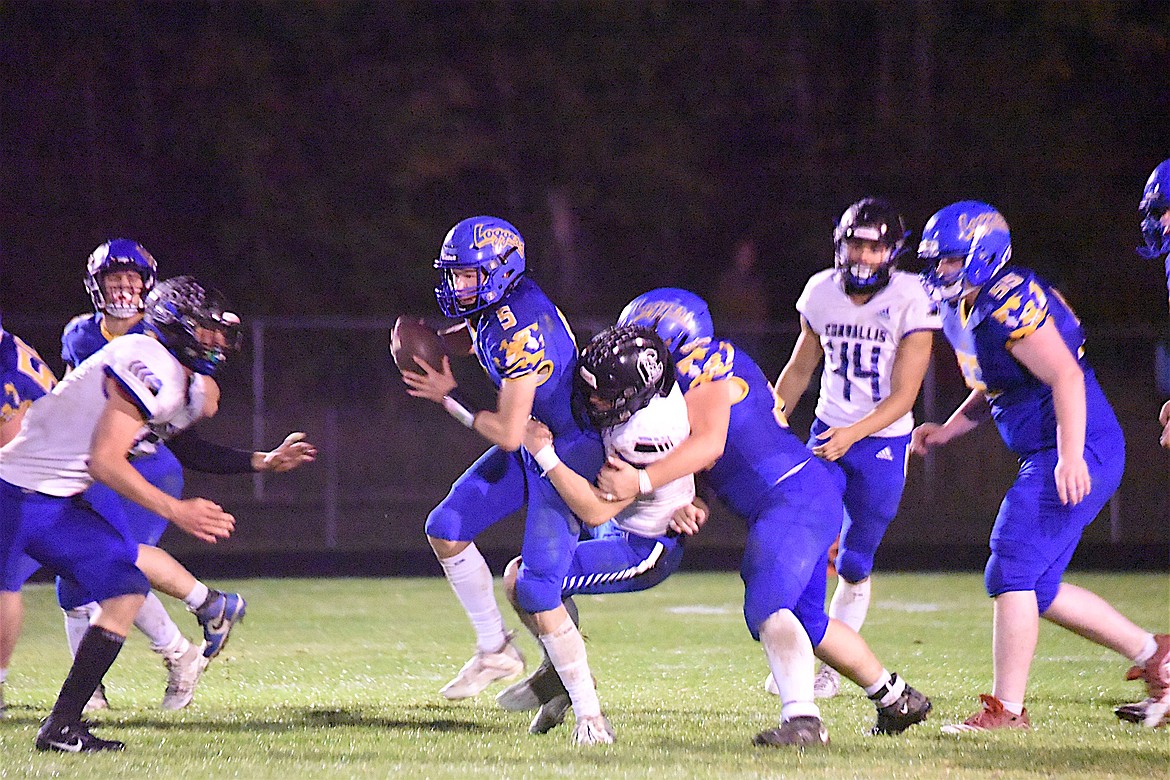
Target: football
x,y
411,338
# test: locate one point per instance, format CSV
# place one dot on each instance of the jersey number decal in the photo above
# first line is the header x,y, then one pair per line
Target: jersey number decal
x,y
506,317
859,371
29,364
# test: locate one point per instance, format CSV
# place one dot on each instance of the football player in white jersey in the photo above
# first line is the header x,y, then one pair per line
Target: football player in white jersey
x,y
625,387
83,431
873,326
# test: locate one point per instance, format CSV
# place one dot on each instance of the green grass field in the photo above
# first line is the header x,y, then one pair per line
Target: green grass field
x,y
340,678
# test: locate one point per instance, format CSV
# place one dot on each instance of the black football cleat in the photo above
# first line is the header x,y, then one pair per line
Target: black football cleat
x,y
909,708
795,732
73,738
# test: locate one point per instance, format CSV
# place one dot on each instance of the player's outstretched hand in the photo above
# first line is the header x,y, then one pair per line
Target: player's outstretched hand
x,y
203,519
537,436
1072,480
434,384
925,438
690,518
1164,418
293,452
618,479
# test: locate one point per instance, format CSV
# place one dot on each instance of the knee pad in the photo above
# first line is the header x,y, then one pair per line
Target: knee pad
x,y
854,566
1010,571
71,595
443,523
537,594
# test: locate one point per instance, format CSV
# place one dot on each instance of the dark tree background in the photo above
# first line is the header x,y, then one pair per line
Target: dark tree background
x,y
307,157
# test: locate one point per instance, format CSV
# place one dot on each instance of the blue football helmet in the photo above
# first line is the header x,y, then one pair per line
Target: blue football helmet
x,y
869,219
1155,202
491,246
119,254
178,308
679,316
949,234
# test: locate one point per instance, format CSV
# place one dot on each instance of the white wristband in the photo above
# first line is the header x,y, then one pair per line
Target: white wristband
x,y
547,459
644,486
459,411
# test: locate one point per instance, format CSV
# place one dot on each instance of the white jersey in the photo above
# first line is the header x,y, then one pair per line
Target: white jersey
x,y
860,342
51,453
651,433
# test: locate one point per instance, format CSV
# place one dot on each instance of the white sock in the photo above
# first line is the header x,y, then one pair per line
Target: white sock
x,y
197,596
3,676
471,579
790,657
1014,707
152,619
850,602
1147,652
887,689
566,650
77,622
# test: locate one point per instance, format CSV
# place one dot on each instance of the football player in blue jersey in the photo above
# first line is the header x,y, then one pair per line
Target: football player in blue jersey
x,y
1155,211
873,327
792,502
1021,351
84,431
24,377
119,275
529,353
625,386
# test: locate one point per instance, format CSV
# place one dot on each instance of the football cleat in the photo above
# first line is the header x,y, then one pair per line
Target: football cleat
x,y
594,730
184,668
991,717
485,668
794,732
1152,713
827,683
536,689
216,616
98,700
909,708
550,715
72,738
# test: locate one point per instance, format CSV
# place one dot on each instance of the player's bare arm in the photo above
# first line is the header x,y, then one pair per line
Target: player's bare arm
x,y
797,373
584,499
116,432
1164,419
709,413
909,369
971,413
1044,353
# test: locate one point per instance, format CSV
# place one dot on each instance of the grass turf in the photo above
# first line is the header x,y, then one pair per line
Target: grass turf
x,y
340,678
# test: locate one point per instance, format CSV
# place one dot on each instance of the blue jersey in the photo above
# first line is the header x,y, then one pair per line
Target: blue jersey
x,y
24,377
1011,305
527,334
759,451
86,334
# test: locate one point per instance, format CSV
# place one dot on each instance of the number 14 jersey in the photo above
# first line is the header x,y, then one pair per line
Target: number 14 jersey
x,y
860,341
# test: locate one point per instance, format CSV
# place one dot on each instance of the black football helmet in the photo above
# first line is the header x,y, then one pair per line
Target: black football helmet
x,y
176,309
869,219
620,370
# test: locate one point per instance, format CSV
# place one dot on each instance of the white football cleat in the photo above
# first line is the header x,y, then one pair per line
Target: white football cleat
x,y
98,700
827,683
184,667
485,668
593,730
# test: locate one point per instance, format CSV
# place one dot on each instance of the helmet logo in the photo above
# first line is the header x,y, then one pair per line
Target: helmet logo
x,y
990,220
649,366
499,238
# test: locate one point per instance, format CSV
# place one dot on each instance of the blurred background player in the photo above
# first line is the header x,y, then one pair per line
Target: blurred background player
x,y
1155,211
791,502
83,431
529,353
1021,351
119,275
873,326
24,377
625,386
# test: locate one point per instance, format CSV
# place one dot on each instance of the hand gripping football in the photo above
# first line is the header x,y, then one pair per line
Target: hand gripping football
x,y
410,338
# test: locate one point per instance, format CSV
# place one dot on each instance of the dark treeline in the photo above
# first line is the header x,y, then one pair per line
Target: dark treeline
x,y
308,156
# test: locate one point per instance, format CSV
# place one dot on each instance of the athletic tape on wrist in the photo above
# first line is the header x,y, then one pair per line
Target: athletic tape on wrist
x,y
547,459
459,411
